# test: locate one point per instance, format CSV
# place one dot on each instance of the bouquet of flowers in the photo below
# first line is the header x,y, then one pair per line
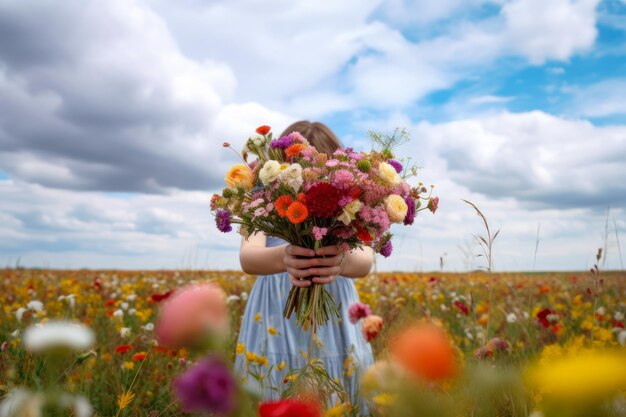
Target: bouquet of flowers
x,y
292,191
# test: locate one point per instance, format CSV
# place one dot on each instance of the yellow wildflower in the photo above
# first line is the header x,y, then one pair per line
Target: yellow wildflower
x,y
128,365
241,348
257,317
272,331
281,365
384,399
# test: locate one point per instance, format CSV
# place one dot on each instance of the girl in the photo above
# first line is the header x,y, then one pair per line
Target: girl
x,y
266,335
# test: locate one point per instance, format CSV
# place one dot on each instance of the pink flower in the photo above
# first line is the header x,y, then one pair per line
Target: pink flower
x,y
372,325
319,232
191,314
343,178
433,203
358,311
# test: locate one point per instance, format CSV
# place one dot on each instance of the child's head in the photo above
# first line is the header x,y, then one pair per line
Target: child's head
x,y
318,135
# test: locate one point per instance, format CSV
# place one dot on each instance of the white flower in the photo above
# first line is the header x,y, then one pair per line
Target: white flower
x,y
388,173
619,315
21,402
232,298
292,176
131,297
124,306
132,311
257,139
621,338
35,305
15,334
20,313
269,172
511,318
244,296
124,332
118,313
148,326
601,310
53,334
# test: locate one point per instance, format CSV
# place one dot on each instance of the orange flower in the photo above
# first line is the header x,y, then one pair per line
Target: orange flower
x,y
282,204
139,356
297,212
294,149
263,130
426,351
240,176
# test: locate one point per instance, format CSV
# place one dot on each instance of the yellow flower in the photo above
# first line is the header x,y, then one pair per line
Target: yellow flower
x,y
251,356
349,211
239,176
384,399
388,173
257,317
272,331
280,366
338,410
128,365
396,208
589,376
241,348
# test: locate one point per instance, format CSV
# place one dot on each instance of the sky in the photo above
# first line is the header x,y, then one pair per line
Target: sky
x,y
112,116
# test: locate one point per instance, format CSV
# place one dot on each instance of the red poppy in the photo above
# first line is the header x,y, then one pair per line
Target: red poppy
x,y
462,306
140,356
123,348
263,130
542,317
160,297
290,408
616,323
109,303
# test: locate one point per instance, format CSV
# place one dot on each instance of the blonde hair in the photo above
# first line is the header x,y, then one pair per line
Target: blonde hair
x,y
318,135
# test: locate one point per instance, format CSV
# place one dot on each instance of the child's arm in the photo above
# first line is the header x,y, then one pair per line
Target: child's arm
x,y
257,259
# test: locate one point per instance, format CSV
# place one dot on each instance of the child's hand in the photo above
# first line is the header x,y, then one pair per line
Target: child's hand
x,y
324,263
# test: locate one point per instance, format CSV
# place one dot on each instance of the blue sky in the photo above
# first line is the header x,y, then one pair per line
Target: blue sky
x,y
112,116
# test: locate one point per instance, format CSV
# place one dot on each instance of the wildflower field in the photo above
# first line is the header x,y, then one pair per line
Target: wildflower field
x,y
508,321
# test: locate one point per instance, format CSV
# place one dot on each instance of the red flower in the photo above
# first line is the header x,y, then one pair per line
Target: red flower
x,y
123,348
160,297
362,233
462,306
616,323
542,317
322,200
109,303
263,130
290,408
140,356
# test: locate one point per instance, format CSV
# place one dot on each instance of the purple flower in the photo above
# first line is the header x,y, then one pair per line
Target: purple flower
x,y
222,219
410,213
358,311
208,386
282,143
397,165
386,249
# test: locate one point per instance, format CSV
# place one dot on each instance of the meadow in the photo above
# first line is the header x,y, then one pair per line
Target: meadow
x,y
535,316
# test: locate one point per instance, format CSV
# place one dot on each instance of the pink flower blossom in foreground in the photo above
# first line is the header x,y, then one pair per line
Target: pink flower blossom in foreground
x,y
190,314
358,311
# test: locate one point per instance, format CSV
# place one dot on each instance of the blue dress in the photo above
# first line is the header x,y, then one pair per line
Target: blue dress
x,y
266,333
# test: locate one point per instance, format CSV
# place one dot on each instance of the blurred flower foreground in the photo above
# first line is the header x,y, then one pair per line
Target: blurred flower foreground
x,y
150,343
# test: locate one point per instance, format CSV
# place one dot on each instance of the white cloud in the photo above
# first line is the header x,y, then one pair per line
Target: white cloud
x,y
554,29
603,99
123,109
540,160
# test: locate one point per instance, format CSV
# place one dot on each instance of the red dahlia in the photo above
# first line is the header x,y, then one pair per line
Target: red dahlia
x,y
322,200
